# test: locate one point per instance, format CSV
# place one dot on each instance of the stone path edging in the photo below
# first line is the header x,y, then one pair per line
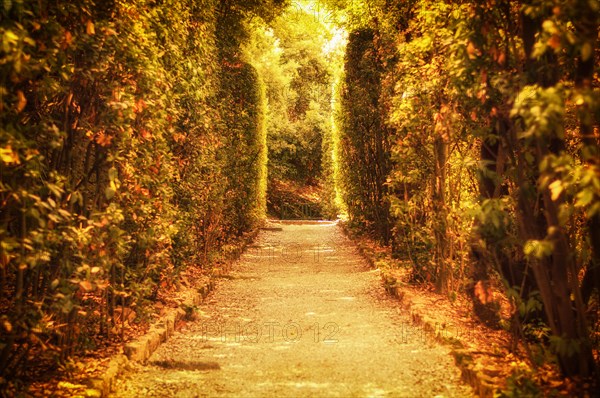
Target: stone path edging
x,y
470,372
142,348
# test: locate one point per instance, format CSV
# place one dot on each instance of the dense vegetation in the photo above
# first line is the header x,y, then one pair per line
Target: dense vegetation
x,y
135,136
476,124
296,54
133,145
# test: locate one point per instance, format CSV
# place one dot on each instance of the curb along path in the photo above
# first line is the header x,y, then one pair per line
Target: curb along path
x,y
301,314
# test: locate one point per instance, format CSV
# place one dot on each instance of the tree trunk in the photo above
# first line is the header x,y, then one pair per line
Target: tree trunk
x,y
586,25
440,148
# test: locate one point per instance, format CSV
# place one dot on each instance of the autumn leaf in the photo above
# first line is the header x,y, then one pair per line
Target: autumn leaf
x,y
502,58
86,286
103,139
484,76
102,284
22,101
139,106
482,95
472,51
145,134
554,41
179,138
69,386
68,39
4,259
89,28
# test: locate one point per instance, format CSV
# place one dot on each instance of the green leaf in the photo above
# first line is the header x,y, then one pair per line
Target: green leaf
x,y
537,248
109,193
584,198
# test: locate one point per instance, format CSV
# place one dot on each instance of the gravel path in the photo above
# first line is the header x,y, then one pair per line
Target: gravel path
x,y
301,315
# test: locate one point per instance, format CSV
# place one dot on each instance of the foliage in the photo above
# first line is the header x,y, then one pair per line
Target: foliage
x,y
488,113
296,56
364,152
120,161
298,90
434,160
134,141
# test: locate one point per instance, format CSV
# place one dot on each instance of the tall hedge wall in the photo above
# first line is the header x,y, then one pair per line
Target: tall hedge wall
x,y
130,148
364,137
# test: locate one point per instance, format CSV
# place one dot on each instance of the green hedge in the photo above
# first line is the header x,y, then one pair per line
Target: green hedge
x,y
122,162
363,137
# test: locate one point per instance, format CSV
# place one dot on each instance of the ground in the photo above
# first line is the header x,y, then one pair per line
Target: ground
x,y
301,314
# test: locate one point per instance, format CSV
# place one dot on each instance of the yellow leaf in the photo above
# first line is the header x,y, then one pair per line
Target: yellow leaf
x,y
549,27
92,393
4,259
556,189
9,156
69,386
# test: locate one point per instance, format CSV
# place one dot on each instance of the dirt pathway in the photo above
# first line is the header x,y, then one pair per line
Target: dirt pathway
x,y
301,315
